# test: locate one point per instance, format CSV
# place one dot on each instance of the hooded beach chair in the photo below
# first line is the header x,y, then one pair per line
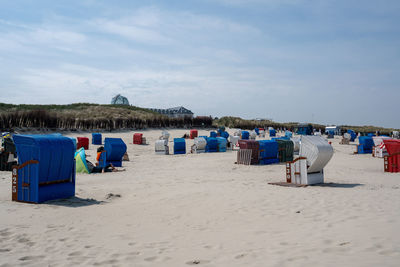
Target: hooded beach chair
x,y
308,168
96,139
113,153
392,160
45,170
161,147
199,145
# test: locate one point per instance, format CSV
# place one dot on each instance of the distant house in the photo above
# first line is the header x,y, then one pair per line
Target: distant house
x,y
177,112
119,100
335,129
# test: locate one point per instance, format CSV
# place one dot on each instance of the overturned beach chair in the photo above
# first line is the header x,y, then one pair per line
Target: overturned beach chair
x,y
212,145
315,153
45,170
199,145
161,147
179,146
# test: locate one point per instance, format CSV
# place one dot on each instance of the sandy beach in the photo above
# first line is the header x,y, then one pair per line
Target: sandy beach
x,y
202,209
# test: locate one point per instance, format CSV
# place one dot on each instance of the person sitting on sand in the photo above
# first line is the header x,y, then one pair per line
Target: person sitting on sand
x,y
96,168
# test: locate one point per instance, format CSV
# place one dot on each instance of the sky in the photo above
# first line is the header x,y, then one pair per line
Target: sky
x,y
328,62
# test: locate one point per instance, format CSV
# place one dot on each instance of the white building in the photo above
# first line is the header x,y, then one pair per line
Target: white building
x,y
335,129
177,112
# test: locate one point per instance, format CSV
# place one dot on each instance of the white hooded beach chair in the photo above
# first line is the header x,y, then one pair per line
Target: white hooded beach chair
x,y
164,135
234,141
315,152
379,149
199,145
161,147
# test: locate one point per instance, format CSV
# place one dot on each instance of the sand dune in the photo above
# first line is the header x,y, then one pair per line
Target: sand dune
x,y
202,209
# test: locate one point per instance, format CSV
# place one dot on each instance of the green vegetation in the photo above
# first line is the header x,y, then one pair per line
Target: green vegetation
x,y
85,116
236,122
82,109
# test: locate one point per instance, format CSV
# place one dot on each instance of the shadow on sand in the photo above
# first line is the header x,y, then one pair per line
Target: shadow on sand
x,y
74,202
339,185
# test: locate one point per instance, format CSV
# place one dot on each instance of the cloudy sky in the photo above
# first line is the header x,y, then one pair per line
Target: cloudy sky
x,y
330,62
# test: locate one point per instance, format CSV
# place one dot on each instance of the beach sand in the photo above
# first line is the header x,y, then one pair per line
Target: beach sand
x,y
202,209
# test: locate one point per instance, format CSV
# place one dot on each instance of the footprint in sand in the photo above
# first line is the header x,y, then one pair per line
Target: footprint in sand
x,y
240,256
150,258
75,253
196,262
5,232
29,258
112,196
106,262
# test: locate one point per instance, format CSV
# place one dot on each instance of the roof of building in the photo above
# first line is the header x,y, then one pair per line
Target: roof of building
x,y
175,110
119,100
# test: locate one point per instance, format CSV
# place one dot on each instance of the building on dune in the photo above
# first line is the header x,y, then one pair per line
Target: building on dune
x,y
119,100
177,112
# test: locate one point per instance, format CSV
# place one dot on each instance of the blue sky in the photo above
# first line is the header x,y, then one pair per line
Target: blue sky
x,y
330,62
